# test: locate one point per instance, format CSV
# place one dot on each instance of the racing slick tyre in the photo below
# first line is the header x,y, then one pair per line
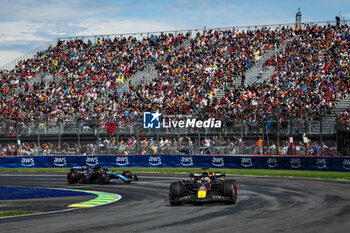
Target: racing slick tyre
x,y
103,178
229,189
73,177
175,191
127,174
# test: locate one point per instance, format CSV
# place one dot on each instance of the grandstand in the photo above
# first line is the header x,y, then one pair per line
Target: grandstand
x,y
275,83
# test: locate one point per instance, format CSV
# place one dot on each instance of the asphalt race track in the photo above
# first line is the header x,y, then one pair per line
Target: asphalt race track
x,y
263,205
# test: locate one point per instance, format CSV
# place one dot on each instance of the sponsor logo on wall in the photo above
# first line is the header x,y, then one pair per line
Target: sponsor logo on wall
x,y
295,163
27,162
60,161
272,162
246,162
346,164
91,161
321,163
155,160
122,160
218,161
186,161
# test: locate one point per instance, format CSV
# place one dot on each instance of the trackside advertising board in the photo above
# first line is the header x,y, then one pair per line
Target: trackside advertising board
x,y
256,162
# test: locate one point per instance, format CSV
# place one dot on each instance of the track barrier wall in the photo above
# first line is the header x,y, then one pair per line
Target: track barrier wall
x,y
341,164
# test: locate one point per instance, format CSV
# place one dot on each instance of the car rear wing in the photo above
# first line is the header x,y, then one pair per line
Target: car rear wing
x,y
219,174
211,175
80,168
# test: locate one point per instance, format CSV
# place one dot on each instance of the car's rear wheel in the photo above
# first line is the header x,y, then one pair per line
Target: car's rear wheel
x,y
103,178
229,189
175,191
73,177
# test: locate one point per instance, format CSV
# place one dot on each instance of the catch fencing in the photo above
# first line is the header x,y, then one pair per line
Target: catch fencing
x,y
271,136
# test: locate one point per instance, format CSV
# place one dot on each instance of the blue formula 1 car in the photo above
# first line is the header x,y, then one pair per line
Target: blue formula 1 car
x,y
98,175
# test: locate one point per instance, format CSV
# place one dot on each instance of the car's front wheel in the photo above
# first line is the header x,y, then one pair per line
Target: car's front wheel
x,y
229,189
175,191
127,174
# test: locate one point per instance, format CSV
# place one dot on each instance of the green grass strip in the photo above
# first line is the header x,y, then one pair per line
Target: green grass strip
x,y
241,172
16,212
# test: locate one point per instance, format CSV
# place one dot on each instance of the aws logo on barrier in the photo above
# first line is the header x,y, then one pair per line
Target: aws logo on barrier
x,y
295,163
122,160
346,164
91,161
321,163
60,161
218,161
246,162
27,162
272,162
155,160
186,161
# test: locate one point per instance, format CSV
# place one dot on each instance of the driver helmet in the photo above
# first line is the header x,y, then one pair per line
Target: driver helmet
x,y
205,179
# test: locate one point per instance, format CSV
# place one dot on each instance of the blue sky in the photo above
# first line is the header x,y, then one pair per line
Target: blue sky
x,y
28,24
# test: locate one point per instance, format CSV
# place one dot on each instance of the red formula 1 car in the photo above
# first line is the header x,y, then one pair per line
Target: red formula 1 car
x,y
203,188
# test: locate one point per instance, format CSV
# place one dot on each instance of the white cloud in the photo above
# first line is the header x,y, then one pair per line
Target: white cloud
x,y
21,31
119,26
55,10
8,56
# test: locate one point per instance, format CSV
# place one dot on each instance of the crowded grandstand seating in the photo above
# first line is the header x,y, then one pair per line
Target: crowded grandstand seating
x,y
309,78
188,77
85,69
77,87
344,117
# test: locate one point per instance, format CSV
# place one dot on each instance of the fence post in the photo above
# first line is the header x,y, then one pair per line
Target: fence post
x,y
321,132
39,136
158,146
138,147
117,125
98,140
178,143
263,137
278,136
305,125
79,143
17,136
242,145
291,125
59,138
220,141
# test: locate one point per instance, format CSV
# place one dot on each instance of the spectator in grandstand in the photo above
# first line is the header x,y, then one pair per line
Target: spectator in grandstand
x,y
309,76
344,117
86,71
